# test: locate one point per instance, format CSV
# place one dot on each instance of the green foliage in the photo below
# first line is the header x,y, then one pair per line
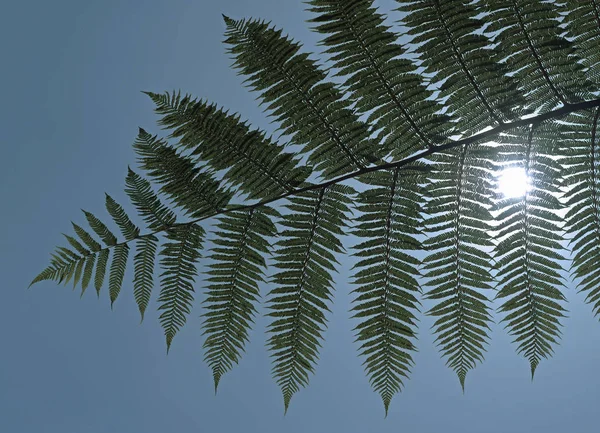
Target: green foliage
x,y
479,91
305,258
421,123
582,26
143,280
308,108
387,273
237,269
378,79
254,164
178,262
582,177
458,267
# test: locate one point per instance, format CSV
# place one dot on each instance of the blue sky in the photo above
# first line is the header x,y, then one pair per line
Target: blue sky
x,y
72,75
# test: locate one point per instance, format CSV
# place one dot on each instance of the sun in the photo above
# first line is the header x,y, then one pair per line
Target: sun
x,y
513,182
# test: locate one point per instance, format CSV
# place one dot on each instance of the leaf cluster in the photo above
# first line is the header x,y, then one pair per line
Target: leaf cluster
x,y
394,137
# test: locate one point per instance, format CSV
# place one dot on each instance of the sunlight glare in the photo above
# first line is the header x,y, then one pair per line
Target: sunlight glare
x,y
513,182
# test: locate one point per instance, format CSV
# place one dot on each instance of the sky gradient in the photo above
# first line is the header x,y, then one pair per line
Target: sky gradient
x,y
72,76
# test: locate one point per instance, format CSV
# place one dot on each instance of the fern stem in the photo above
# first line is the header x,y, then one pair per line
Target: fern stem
x,y
535,120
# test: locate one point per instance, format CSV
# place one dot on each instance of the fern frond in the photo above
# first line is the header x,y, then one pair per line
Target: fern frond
x,y
143,280
190,188
253,162
543,62
156,215
305,256
386,302
310,110
62,267
528,252
103,257
583,26
79,266
479,92
129,230
378,78
582,180
88,271
234,276
178,262
458,266
411,121
101,230
49,273
89,241
117,271
75,244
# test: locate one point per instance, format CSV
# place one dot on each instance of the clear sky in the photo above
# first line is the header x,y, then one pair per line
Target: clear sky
x,y
71,75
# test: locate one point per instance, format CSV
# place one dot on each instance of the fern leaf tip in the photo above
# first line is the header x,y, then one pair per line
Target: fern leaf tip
x,y
286,403
217,380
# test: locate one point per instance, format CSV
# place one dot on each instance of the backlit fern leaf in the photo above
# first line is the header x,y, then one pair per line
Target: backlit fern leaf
x,y
179,257
89,241
129,230
305,258
143,280
458,266
517,73
258,166
308,109
101,230
386,276
103,257
156,215
79,265
528,250
88,271
543,62
583,25
61,266
238,268
582,180
187,185
378,78
480,94
117,271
